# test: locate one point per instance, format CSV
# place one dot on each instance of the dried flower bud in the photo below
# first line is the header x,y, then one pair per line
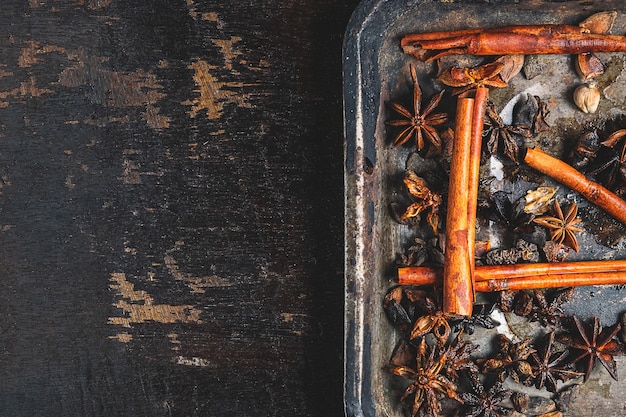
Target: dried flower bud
x,y
538,201
587,97
589,66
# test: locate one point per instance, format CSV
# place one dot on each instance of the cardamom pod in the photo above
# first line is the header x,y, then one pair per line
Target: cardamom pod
x,y
587,97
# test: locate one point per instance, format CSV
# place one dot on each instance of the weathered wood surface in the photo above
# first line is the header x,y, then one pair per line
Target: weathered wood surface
x,y
171,207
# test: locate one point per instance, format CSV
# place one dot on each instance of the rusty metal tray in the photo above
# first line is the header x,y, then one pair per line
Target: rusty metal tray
x,y
375,71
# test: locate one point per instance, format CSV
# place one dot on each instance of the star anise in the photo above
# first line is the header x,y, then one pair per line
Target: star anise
x,y
550,368
593,343
511,360
465,79
562,226
419,124
547,305
428,384
612,160
485,402
503,137
459,358
424,200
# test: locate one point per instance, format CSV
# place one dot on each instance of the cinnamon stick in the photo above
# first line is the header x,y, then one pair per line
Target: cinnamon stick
x,y
424,275
478,119
570,177
552,281
458,292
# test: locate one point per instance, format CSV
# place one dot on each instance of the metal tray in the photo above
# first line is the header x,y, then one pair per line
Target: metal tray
x,y
375,71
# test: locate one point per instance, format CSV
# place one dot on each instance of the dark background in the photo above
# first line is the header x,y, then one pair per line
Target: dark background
x,y
171,207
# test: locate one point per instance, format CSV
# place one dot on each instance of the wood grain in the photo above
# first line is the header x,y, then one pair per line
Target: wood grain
x,y
171,208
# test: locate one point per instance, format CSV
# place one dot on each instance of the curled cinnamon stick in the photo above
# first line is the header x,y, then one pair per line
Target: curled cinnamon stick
x,y
570,177
552,281
478,120
509,40
424,275
458,292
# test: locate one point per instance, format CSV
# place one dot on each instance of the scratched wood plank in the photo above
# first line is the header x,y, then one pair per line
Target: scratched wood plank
x,y
171,202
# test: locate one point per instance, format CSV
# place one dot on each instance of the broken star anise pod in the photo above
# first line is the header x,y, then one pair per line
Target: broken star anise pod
x,y
428,384
433,321
424,200
485,402
591,343
503,138
550,367
511,360
420,123
398,308
465,79
562,226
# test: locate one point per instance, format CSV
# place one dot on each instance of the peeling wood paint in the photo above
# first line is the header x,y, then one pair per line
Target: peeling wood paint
x,y
26,89
154,119
197,284
113,88
29,54
228,51
90,4
290,317
194,361
122,337
174,341
130,172
138,306
214,94
131,89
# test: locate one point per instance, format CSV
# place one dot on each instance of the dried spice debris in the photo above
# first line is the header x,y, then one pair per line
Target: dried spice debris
x,y
419,124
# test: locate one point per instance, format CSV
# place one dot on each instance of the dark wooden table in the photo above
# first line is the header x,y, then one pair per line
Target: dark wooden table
x,y
171,208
